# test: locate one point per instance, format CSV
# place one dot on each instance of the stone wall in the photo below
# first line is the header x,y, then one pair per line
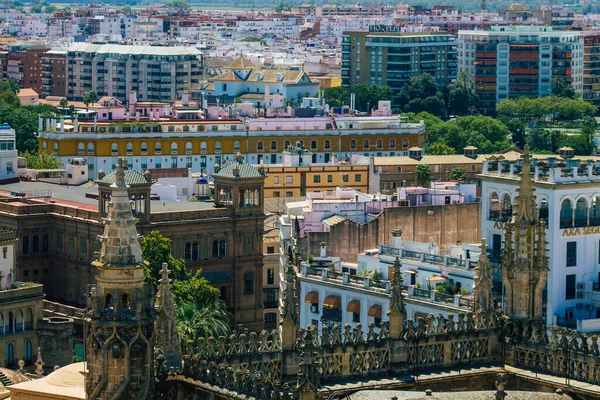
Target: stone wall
x,y
446,226
56,340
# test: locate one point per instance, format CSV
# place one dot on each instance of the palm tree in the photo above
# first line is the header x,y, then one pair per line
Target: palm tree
x,y
465,81
422,174
64,103
195,322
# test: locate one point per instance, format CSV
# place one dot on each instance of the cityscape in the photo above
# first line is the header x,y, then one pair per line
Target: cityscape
x,y
301,201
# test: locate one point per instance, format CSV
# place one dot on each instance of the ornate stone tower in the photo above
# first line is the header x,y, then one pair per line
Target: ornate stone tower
x,y
120,311
483,282
525,260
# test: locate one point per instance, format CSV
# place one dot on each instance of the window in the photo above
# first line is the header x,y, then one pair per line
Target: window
x,y
271,317
366,144
392,143
217,147
357,177
222,249
129,148
273,145
44,243
329,178
569,313
317,179
35,244
195,251
313,145
571,254
249,283
80,148
188,148
203,147
82,244
289,194
143,147
56,148
353,144
215,249
236,146
157,148
270,276
249,242
187,255
25,242
260,146
289,179
570,287
277,194
327,145
405,143
173,148
379,144
275,179
59,240
270,250
345,178
355,317
90,148
287,144
114,148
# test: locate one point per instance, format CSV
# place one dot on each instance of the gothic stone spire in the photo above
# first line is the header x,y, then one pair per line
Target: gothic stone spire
x,y
483,282
397,310
524,262
167,339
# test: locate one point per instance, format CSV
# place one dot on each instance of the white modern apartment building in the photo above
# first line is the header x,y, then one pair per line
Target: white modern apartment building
x,y
514,61
156,73
8,154
567,192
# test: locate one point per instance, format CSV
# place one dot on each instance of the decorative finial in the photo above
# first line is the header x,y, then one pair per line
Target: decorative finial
x,y
239,157
120,173
39,370
165,273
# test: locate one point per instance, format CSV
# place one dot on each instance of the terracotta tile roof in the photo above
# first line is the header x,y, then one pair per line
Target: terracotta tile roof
x,y
240,63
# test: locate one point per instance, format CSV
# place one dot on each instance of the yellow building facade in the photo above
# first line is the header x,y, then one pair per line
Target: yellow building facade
x,y
201,144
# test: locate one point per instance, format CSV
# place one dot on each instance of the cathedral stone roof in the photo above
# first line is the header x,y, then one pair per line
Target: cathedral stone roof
x,y
132,177
66,382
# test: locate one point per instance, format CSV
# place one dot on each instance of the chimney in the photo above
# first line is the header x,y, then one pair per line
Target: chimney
x,y
132,102
397,238
185,98
323,253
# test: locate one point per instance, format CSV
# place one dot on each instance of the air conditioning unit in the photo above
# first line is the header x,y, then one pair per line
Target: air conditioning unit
x,y
579,306
314,308
580,286
581,295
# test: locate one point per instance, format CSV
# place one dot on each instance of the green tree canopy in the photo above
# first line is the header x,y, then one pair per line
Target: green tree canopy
x,y
440,149
195,322
41,160
367,95
423,174
458,174
562,87
421,94
156,250
542,108
283,7
335,96
178,5
463,100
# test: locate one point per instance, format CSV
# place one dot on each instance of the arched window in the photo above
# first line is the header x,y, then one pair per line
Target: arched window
x,y
25,242
173,147
90,148
188,252
45,243
108,301
566,214
56,148
11,322
222,249
35,244
274,145
20,327
44,145
188,148
129,148
494,207
125,300
595,211
260,146
405,143
327,145
10,354
379,144
28,352
313,145
157,148
80,148
392,143
366,144
195,251
28,319
506,208
144,147
543,213
270,276
581,213
215,249
287,144
114,148
203,147
353,144
217,147
236,146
